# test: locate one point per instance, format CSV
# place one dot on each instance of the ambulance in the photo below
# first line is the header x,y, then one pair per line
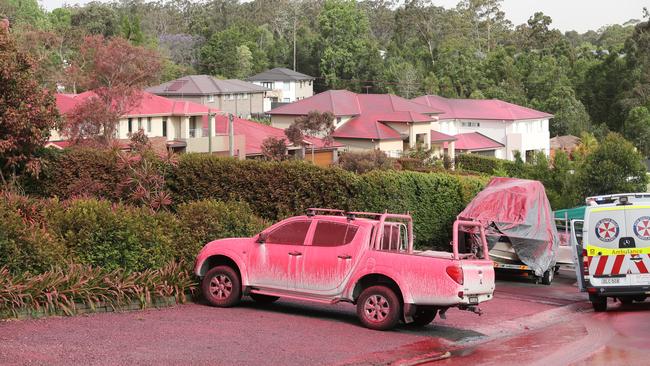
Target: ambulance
x,y
613,248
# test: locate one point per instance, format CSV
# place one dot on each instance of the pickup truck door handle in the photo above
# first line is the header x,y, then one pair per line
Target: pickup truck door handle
x,y
345,256
295,254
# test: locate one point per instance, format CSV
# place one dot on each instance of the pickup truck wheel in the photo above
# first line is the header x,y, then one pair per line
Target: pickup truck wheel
x,y
264,299
378,308
599,303
547,279
423,317
222,287
626,300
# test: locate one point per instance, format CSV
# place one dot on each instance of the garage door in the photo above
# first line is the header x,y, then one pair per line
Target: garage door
x,y
320,158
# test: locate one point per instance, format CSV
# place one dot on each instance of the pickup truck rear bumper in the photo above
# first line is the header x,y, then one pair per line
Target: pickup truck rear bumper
x,y
474,299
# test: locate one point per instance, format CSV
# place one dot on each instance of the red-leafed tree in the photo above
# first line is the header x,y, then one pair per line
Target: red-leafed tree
x,y
274,148
27,112
115,71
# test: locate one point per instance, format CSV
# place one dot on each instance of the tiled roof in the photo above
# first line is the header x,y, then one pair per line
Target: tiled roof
x,y
488,109
149,105
475,141
205,85
565,142
347,103
256,133
280,74
441,137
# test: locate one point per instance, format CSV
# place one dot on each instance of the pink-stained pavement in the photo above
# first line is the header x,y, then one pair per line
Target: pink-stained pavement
x,y
524,324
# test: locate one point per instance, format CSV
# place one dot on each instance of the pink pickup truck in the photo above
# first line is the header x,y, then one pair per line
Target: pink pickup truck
x,y
362,258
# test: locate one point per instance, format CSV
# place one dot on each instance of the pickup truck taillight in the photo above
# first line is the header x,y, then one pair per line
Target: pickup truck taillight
x,y
456,274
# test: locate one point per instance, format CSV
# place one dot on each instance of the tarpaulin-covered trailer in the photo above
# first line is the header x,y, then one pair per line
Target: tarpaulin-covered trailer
x,y
518,218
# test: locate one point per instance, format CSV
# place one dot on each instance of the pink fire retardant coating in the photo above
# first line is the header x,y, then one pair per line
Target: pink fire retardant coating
x,y
518,209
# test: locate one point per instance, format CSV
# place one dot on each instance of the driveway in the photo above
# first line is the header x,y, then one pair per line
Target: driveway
x,y
291,333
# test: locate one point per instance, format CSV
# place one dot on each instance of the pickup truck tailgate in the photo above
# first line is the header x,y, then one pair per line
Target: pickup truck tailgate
x,y
478,276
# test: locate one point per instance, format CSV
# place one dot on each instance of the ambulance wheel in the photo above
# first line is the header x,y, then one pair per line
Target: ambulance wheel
x,y
640,298
548,276
626,300
599,303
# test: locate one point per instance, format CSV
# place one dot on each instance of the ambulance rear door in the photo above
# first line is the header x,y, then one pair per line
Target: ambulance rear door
x,y
606,229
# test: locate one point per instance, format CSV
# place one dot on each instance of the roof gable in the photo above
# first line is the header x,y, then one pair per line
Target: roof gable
x,y
487,109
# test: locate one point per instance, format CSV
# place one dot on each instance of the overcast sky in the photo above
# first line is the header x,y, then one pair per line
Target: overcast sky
x,y
580,15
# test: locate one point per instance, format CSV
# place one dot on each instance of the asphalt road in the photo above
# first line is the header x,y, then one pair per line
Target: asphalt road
x,y
553,324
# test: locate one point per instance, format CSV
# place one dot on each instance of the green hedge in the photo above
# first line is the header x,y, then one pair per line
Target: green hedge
x,y
481,164
278,190
38,234
275,190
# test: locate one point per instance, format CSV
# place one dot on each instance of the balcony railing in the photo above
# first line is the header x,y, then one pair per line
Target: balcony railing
x,y
198,132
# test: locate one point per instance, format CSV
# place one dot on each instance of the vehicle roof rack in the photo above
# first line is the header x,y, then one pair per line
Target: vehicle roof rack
x,y
313,210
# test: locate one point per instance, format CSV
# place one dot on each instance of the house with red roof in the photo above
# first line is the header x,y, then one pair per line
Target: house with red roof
x,y
366,121
183,126
489,127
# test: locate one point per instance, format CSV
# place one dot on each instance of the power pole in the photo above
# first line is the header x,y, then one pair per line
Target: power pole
x,y
210,130
295,20
231,135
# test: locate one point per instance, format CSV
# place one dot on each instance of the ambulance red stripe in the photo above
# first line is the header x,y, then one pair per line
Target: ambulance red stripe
x,y
617,264
641,266
602,262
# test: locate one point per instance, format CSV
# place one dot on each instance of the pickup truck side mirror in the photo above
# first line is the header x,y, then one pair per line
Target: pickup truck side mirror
x,y
261,238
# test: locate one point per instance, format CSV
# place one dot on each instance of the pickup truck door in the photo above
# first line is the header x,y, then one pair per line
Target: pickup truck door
x,y
274,263
329,256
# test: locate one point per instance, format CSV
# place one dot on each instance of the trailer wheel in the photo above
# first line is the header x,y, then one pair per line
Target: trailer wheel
x,y
547,279
640,298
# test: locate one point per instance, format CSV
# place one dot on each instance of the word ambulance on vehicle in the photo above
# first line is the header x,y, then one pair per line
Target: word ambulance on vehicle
x,y
613,248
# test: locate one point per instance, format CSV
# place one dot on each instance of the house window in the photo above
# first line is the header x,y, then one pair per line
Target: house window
x,y
130,125
286,100
268,84
139,123
309,82
210,98
241,96
149,124
286,85
164,127
230,96
193,131
471,124
245,96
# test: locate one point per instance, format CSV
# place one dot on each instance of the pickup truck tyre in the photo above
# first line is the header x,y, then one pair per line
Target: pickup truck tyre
x,y
599,303
221,286
264,299
423,317
547,278
378,308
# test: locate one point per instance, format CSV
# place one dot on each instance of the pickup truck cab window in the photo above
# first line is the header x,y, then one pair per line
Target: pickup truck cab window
x,y
333,234
291,233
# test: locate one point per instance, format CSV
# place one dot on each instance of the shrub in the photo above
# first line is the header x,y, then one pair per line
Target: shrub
x,y
26,244
206,220
61,289
78,172
362,162
112,236
483,164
